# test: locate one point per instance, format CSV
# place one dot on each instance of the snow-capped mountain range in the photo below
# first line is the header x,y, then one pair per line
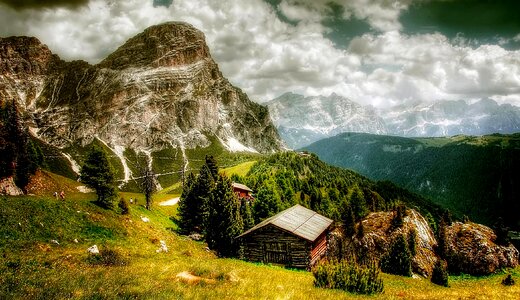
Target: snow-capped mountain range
x,y
303,120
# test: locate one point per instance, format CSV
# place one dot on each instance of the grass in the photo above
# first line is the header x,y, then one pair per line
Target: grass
x,y
33,267
240,169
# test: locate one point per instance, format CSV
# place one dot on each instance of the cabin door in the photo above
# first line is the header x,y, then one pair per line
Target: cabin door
x,y
277,253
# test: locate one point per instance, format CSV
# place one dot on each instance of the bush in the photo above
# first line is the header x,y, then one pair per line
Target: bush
x,y
123,205
440,273
398,259
349,276
508,280
108,257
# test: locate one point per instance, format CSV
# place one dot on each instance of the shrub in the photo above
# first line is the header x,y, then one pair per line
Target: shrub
x,y
398,259
440,273
123,205
108,257
349,276
508,280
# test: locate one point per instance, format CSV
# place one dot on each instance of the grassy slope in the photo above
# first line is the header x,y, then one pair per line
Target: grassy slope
x,y
34,268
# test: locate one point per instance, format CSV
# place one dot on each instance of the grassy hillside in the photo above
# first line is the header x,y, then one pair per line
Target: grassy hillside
x,y
474,176
34,267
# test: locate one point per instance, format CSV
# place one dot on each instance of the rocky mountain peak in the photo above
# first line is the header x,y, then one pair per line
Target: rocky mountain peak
x,y
20,55
166,45
161,90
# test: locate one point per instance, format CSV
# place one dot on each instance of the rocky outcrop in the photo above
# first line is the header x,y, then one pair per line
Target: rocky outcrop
x,y
379,235
471,249
8,187
160,89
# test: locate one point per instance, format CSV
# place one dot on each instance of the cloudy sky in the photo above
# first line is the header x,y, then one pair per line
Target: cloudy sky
x,y
378,52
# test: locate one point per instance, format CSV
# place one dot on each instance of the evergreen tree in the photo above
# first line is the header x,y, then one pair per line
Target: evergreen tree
x,y
187,208
246,214
123,205
399,214
204,190
98,174
224,222
148,185
212,165
358,203
412,242
398,259
349,221
267,203
441,239
440,273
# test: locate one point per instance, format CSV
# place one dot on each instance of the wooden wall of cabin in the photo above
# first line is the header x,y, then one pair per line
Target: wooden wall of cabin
x,y
319,249
270,244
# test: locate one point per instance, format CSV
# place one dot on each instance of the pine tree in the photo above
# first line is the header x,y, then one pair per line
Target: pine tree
x,y
148,185
440,273
267,203
212,165
358,204
246,214
349,221
224,222
398,259
412,242
187,208
98,174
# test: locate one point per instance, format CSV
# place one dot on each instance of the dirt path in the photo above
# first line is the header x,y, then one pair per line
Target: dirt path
x,y
170,202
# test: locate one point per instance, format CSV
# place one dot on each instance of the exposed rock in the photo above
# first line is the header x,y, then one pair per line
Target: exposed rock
x,y
163,247
189,278
8,187
145,219
196,236
470,249
93,249
160,89
379,234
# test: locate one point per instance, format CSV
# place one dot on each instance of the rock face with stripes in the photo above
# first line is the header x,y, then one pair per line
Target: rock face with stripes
x,y
160,89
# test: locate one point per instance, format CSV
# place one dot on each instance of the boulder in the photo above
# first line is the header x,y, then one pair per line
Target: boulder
x,y
93,249
163,247
379,235
471,249
8,187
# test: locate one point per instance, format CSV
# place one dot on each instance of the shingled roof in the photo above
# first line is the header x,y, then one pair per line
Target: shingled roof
x,y
241,186
297,220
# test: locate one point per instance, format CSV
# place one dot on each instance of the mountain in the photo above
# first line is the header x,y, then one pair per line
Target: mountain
x,y
446,118
159,93
473,176
303,120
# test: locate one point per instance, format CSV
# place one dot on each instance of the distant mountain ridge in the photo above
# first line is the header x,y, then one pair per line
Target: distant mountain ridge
x,y
474,176
160,90
303,120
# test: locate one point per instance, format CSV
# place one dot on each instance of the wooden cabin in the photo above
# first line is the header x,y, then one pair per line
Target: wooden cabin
x,y
242,191
295,237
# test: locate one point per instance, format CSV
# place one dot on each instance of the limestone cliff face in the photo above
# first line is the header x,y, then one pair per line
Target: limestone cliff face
x,y
160,89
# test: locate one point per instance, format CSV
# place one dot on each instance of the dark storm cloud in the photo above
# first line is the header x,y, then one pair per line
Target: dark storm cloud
x,y
475,19
23,4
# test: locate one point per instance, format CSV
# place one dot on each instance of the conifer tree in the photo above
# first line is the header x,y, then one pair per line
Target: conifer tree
x,y
98,174
187,208
398,259
412,242
440,273
358,204
349,221
148,185
224,222
246,214
212,165
267,203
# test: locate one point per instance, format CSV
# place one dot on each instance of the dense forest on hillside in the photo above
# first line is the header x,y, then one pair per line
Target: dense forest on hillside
x,y
473,176
287,178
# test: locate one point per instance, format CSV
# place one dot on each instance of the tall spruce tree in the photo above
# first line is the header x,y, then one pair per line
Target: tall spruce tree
x,y
224,222
187,209
148,185
98,174
267,203
246,214
398,259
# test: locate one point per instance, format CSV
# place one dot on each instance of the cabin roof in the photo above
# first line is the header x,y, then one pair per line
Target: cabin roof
x,y
241,187
297,220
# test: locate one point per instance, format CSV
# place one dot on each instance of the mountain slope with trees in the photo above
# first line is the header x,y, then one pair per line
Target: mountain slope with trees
x,y
473,176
